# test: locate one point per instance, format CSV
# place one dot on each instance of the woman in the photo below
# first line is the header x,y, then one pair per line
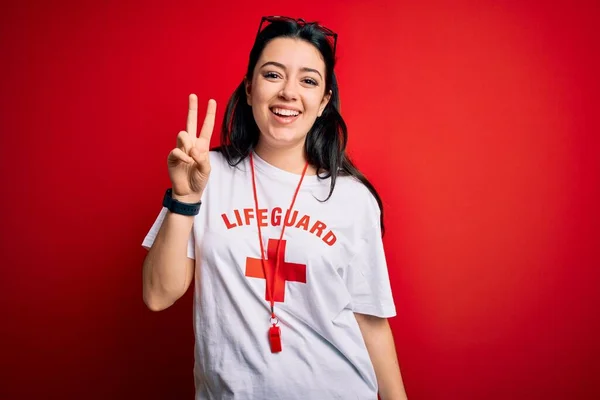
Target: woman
x,y
292,293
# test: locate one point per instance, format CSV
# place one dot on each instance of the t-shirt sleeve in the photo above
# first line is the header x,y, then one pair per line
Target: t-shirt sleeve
x,y
367,277
149,239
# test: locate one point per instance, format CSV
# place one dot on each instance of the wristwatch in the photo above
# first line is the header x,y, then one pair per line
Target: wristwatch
x,y
178,207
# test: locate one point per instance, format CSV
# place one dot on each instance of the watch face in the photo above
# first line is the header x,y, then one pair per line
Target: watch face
x,y
167,199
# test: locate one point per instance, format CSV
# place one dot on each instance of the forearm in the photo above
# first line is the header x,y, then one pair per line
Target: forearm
x,y
166,274
382,351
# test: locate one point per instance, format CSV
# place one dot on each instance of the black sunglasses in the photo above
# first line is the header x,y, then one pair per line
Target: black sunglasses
x,y
274,18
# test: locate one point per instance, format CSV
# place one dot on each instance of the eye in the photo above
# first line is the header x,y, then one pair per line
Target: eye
x,y
310,81
271,75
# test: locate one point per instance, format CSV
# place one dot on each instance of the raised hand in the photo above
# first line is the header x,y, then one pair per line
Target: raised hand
x,y
189,163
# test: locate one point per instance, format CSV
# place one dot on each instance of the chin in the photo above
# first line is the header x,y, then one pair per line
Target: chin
x,y
283,137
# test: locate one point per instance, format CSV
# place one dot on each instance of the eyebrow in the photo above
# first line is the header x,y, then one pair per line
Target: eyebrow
x,y
305,69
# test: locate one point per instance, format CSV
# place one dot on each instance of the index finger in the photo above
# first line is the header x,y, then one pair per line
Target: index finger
x,y
209,120
192,117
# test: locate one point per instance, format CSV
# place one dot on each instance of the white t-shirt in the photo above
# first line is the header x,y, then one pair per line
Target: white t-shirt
x,y
333,264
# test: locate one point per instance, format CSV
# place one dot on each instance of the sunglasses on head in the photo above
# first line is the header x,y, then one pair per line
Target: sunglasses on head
x,y
276,18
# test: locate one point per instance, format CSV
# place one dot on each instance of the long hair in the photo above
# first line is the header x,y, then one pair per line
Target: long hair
x,y
325,145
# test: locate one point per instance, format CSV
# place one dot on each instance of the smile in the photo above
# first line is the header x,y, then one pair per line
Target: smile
x,y
285,116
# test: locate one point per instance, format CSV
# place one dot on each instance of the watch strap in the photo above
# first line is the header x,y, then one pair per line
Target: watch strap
x,y
179,207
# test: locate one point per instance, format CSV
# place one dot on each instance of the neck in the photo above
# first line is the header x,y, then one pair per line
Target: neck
x,y
290,159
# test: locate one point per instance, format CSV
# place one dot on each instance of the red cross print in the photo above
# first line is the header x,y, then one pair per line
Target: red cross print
x,y
286,272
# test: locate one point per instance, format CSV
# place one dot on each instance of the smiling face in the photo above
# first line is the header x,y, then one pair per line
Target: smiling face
x,y
287,92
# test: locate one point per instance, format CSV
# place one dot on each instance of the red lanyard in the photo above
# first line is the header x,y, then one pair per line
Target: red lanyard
x,y
274,330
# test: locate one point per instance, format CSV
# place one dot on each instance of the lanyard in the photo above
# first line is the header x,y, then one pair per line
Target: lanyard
x,y
274,330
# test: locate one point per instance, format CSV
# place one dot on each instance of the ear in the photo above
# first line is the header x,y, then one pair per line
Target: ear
x,y
324,103
248,87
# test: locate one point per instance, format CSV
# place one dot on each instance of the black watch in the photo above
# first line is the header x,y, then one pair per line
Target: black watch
x,y
178,207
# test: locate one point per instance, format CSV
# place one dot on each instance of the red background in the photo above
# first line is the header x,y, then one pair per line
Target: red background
x,y
477,121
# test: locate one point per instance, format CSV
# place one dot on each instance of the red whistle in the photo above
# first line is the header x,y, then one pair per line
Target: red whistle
x,y
275,339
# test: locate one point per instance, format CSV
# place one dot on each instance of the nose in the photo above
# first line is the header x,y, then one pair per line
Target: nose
x,y
289,91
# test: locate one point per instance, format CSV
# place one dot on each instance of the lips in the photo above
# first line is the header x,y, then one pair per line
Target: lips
x,y
284,115
285,111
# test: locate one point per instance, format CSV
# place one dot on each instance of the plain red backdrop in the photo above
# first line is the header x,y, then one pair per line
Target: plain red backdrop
x,y
477,122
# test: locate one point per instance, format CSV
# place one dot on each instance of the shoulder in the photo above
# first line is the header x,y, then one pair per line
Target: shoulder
x,y
219,160
354,190
356,198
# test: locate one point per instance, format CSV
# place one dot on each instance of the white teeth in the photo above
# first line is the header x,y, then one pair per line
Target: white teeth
x,y
284,112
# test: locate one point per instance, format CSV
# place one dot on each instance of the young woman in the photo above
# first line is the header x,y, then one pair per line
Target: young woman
x,y
281,235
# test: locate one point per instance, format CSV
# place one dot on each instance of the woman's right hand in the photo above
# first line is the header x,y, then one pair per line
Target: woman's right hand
x,y
189,163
